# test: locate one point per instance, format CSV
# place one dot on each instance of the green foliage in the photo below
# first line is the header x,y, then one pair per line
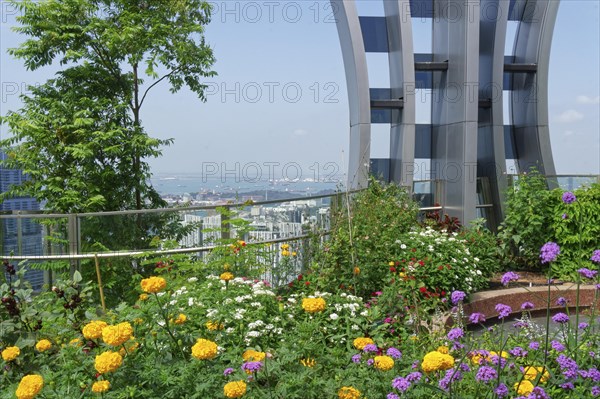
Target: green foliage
x,y
79,136
576,228
527,224
483,245
364,230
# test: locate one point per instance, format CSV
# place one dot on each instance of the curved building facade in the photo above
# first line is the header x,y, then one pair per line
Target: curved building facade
x,y
469,78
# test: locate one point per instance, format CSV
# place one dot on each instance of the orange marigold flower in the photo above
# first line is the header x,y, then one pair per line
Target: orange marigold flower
x,y
11,353
29,386
43,345
117,335
108,362
361,342
348,393
235,389
383,363
100,386
313,305
204,349
93,330
251,355
153,284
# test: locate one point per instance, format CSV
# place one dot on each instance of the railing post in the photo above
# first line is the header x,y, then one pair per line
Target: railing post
x,y
19,234
225,225
73,236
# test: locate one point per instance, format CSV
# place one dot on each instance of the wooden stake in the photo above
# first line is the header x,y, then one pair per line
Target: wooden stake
x,y
100,282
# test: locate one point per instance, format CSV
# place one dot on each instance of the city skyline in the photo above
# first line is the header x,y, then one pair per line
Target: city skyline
x,y
280,95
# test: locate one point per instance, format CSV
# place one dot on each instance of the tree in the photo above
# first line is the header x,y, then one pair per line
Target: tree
x,y
79,136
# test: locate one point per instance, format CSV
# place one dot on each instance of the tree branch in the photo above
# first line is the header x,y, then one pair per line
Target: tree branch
x,y
155,83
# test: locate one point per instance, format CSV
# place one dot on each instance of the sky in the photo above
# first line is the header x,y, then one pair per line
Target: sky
x,y
279,106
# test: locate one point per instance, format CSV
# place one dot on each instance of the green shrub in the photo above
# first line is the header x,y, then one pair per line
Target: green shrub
x,y
362,237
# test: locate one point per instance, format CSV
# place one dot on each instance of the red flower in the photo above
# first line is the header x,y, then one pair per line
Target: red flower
x,y
300,277
307,283
421,263
440,267
423,290
393,269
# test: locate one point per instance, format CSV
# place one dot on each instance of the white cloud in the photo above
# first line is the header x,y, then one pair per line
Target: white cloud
x,y
570,116
588,100
300,132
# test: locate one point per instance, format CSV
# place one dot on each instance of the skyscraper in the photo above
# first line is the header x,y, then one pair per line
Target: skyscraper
x,y
19,236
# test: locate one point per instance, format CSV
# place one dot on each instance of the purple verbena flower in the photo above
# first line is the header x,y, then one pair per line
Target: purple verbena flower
x,y
565,216
508,277
583,325
457,296
477,318
568,197
370,348
252,366
400,383
562,301
394,353
538,393
587,273
370,362
501,390
560,318
534,345
503,310
527,306
392,395
549,252
568,386
596,256
450,376
557,346
228,371
415,376
455,334
486,374
596,391
356,358
517,351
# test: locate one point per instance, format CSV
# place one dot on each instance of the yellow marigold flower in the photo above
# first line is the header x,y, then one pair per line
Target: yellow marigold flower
x,y
308,362
226,267
391,263
100,386
235,389
213,325
294,253
204,349
180,319
43,345
356,270
285,253
383,363
75,342
524,387
313,305
108,362
531,373
130,346
226,276
361,342
117,335
253,356
153,284
348,393
11,353
93,330
503,354
143,297
30,386
285,247
443,349
138,320
402,275
434,361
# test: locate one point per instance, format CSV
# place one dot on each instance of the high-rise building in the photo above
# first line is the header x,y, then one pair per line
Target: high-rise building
x,y
476,74
20,235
